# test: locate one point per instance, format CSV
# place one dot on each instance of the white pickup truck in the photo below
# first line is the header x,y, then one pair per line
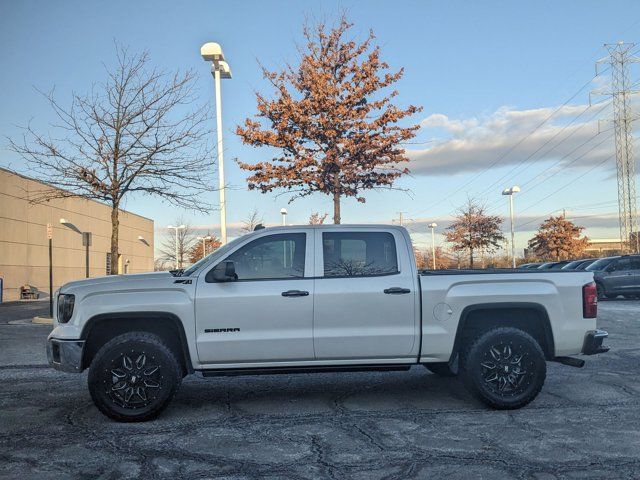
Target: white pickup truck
x,y
320,298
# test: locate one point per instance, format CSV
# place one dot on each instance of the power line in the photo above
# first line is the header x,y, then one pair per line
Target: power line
x,y
572,182
508,151
522,162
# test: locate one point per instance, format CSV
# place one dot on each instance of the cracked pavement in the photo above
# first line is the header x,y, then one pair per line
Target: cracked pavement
x,y
388,425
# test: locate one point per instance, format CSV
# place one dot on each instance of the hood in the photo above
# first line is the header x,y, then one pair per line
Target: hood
x,y
115,280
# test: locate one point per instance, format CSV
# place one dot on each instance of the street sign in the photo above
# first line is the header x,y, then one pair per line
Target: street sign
x,y
86,239
49,231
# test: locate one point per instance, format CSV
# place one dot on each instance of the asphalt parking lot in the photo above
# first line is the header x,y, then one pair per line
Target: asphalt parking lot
x,y
394,425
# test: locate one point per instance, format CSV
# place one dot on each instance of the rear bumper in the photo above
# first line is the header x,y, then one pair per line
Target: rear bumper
x,y
65,355
593,342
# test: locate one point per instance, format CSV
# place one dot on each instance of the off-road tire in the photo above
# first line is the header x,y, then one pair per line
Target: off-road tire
x,y
133,377
441,368
517,360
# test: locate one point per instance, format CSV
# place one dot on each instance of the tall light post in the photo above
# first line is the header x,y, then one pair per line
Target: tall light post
x,y
510,192
283,212
212,52
433,226
204,244
180,227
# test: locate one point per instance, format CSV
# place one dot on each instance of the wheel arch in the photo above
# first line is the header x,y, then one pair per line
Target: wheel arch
x,y
532,318
101,328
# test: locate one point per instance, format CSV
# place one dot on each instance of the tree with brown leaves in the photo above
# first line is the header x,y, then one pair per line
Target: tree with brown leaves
x,y
474,230
316,219
204,246
425,262
336,130
138,133
559,239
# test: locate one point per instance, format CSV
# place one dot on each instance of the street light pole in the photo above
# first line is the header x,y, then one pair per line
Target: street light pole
x,y
204,245
433,226
510,192
283,212
180,227
223,204
212,52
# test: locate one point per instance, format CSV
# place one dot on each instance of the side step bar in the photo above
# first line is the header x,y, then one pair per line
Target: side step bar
x,y
572,362
230,372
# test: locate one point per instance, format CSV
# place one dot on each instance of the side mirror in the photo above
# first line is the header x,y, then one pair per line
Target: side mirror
x,y
224,272
610,268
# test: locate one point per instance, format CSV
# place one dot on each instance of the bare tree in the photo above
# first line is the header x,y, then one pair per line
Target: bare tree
x,y
317,219
252,221
186,240
139,132
474,231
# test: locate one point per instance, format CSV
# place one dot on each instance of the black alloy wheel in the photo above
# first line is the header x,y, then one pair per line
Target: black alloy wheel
x,y
133,377
505,368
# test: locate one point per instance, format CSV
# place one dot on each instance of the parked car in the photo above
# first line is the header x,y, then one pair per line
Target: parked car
x,y
617,276
530,266
319,298
578,264
553,265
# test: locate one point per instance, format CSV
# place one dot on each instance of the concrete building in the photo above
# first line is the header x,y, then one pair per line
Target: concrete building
x,y
603,247
24,252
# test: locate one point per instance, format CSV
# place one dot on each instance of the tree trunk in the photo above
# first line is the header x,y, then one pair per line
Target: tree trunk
x,y
115,224
336,208
471,258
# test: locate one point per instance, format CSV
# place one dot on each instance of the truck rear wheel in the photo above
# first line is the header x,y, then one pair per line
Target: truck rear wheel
x,y
133,377
504,367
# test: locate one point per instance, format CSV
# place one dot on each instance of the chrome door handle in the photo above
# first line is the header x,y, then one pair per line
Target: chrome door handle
x,y
295,293
396,291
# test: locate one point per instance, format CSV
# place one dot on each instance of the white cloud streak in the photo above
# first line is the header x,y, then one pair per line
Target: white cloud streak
x,y
473,144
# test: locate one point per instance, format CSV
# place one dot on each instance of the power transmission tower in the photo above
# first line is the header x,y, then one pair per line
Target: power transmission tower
x,y
619,59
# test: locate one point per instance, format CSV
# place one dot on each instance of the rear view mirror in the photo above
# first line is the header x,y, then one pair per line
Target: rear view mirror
x,y
223,272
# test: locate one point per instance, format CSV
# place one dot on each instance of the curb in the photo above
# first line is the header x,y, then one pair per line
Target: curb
x,y
43,320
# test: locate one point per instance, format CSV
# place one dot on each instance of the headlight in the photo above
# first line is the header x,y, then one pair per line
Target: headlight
x,y
65,307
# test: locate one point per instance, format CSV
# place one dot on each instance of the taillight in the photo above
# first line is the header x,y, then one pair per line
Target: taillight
x,y
589,300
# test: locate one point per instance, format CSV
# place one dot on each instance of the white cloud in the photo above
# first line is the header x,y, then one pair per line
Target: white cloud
x,y
475,143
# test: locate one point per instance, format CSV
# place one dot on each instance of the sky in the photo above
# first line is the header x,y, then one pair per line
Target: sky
x,y
504,88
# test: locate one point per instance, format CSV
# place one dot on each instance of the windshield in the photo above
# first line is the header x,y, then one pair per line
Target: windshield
x,y
599,264
572,265
219,252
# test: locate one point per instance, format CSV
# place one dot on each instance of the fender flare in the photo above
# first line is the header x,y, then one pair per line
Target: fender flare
x,y
177,323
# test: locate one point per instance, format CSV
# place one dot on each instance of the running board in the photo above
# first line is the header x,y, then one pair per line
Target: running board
x,y
230,372
572,362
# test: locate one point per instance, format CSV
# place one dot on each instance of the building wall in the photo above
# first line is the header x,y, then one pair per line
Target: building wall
x,y
24,253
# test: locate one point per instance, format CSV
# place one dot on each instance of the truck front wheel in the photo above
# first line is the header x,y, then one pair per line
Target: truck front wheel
x,y
504,367
133,377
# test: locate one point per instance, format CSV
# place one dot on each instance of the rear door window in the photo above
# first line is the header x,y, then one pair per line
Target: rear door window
x,y
359,254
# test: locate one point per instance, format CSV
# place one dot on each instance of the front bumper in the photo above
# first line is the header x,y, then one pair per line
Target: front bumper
x,y
65,355
593,342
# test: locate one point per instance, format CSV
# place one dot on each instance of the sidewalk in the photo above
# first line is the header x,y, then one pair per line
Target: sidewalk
x,y
23,309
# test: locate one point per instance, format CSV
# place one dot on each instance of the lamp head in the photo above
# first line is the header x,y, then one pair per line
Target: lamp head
x,y
433,225
63,221
223,68
511,191
283,211
212,52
